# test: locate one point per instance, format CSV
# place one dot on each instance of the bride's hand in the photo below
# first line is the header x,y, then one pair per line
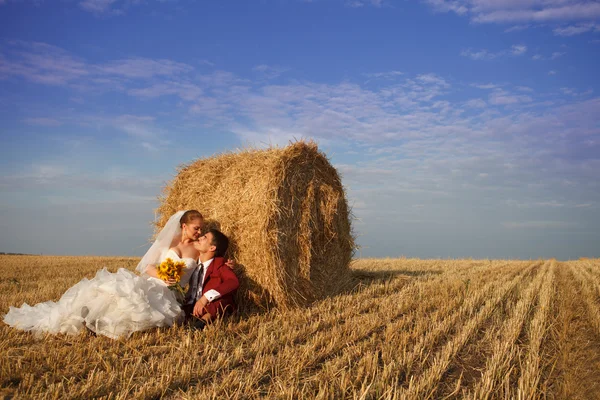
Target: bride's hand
x,y
230,263
170,281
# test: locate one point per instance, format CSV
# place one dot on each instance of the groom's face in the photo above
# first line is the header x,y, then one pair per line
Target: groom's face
x,y
204,243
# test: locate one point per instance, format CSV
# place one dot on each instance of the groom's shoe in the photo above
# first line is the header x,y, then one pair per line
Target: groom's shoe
x,y
197,324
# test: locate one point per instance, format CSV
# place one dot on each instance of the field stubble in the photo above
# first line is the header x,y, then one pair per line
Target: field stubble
x,y
410,329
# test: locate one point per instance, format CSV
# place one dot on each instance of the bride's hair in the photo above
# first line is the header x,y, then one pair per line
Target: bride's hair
x,y
189,216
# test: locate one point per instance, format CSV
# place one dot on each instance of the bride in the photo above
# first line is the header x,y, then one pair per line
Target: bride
x,y
118,304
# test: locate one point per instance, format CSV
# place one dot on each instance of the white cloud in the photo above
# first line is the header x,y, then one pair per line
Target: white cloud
x,y
363,3
109,7
538,224
579,11
479,54
524,89
149,147
459,7
143,131
574,92
485,86
47,172
51,65
270,72
136,126
144,68
552,203
70,176
577,29
384,75
521,13
555,55
516,28
219,79
484,54
518,50
213,108
139,131
97,6
552,72
185,90
502,97
40,63
476,103
433,79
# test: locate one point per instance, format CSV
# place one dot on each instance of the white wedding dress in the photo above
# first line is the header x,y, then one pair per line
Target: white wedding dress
x,y
110,304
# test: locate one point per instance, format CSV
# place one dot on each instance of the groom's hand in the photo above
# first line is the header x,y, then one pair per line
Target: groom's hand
x,y
199,307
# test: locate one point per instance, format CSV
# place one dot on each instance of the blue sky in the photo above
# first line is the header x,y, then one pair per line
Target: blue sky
x,y
461,128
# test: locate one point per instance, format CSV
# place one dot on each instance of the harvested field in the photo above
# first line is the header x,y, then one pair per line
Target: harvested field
x,y
410,329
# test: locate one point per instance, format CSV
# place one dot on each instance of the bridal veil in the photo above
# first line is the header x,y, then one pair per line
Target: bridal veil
x,y
164,241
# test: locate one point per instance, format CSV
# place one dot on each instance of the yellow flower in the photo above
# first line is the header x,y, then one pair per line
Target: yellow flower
x,y
169,269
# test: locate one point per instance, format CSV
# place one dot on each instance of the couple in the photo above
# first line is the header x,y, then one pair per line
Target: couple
x,y
118,304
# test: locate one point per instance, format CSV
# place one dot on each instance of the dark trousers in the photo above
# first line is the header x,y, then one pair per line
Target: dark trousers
x,y
216,309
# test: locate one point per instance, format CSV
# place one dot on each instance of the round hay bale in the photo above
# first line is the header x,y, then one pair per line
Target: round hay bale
x,y
285,212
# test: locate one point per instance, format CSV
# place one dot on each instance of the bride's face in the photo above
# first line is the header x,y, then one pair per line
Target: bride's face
x,y
193,229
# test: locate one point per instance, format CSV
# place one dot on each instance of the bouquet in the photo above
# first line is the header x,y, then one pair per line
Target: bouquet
x,y
169,269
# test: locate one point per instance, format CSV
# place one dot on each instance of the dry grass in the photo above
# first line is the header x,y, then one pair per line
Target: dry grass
x,y
409,329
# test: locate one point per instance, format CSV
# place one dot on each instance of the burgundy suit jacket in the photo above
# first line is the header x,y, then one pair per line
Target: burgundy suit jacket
x,y
222,279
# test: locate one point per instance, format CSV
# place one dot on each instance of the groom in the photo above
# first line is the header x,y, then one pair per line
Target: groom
x,y
213,284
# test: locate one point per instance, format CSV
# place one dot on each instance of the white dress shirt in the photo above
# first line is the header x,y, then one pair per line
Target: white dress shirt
x,y
212,294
